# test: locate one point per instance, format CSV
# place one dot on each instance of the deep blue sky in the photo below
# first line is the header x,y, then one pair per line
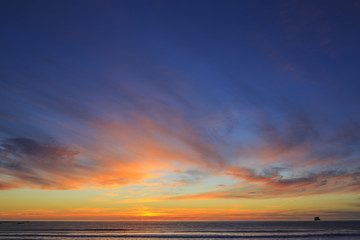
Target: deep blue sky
x,y
259,90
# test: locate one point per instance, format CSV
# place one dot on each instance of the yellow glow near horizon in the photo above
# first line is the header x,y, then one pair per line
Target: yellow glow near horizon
x,y
80,205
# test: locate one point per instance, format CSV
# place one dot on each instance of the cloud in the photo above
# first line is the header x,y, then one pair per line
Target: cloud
x,y
28,148
117,154
190,177
272,177
26,162
140,122
290,158
267,184
29,163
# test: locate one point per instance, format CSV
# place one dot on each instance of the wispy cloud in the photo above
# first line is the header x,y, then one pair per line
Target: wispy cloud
x,y
156,110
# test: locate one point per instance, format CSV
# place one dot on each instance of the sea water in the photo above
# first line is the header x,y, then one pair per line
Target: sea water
x,y
141,230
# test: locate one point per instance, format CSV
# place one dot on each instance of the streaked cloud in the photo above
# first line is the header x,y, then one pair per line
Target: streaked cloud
x,y
148,106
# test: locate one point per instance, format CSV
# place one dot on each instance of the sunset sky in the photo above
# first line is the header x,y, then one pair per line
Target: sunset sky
x,y
180,110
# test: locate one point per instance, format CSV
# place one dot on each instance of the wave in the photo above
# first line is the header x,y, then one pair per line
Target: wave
x,y
125,230
186,235
247,231
70,230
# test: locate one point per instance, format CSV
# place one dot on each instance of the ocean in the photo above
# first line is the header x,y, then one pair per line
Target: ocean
x,y
141,230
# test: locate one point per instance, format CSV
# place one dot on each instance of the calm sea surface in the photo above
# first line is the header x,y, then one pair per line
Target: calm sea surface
x,y
180,230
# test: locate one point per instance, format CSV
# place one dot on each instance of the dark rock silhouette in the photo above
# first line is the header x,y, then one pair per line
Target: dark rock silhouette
x,y
316,219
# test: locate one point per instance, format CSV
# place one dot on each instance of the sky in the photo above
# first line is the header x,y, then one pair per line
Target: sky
x,y
179,110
